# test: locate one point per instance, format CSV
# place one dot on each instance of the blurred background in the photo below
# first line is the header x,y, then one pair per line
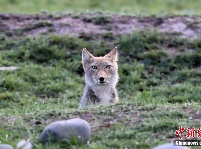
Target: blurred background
x,y
115,6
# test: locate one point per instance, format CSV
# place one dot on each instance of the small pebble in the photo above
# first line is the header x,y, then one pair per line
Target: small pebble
x,y
5,146
23,144
11,68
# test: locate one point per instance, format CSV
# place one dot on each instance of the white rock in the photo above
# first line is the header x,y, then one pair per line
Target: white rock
x,y
170,146
23,144
5,146
11,68
76,129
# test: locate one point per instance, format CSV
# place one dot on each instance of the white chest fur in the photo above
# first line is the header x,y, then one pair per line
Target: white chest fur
x,y
104,93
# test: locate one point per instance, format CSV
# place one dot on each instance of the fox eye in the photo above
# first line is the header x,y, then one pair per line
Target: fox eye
x,y
94,67
108,66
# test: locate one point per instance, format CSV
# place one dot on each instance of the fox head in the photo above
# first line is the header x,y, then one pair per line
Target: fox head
x,y
100,70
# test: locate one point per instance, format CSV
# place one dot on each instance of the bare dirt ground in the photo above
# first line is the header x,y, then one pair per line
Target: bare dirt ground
x,y
85,25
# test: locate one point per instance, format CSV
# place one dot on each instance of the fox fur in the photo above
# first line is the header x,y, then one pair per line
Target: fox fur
x,y
101,77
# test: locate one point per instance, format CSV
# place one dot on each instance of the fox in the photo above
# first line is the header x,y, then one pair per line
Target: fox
x,y
101,78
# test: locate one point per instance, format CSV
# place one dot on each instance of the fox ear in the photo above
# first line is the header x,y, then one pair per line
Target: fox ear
x,y
113,55
86,56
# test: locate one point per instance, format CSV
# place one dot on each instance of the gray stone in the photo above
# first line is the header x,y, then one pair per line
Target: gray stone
x,y
72,131
170,146
5,146
11,68
23,144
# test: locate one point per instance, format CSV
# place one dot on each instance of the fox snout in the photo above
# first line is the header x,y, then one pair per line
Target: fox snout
x,y
98,76
102,80
102,77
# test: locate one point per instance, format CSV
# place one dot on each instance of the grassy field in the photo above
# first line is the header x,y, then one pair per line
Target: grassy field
x,y
117,6
159,89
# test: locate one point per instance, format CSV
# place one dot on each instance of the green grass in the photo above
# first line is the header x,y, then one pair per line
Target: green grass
x,y
158,91
117,6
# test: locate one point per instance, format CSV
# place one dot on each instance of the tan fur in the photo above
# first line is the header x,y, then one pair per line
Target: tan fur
x,y
101,77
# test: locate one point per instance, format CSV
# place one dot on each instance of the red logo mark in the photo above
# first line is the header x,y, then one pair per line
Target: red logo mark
x,y
199,132
190,132
179,132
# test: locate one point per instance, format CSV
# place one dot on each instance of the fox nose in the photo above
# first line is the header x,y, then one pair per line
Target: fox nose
x,y
101,79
